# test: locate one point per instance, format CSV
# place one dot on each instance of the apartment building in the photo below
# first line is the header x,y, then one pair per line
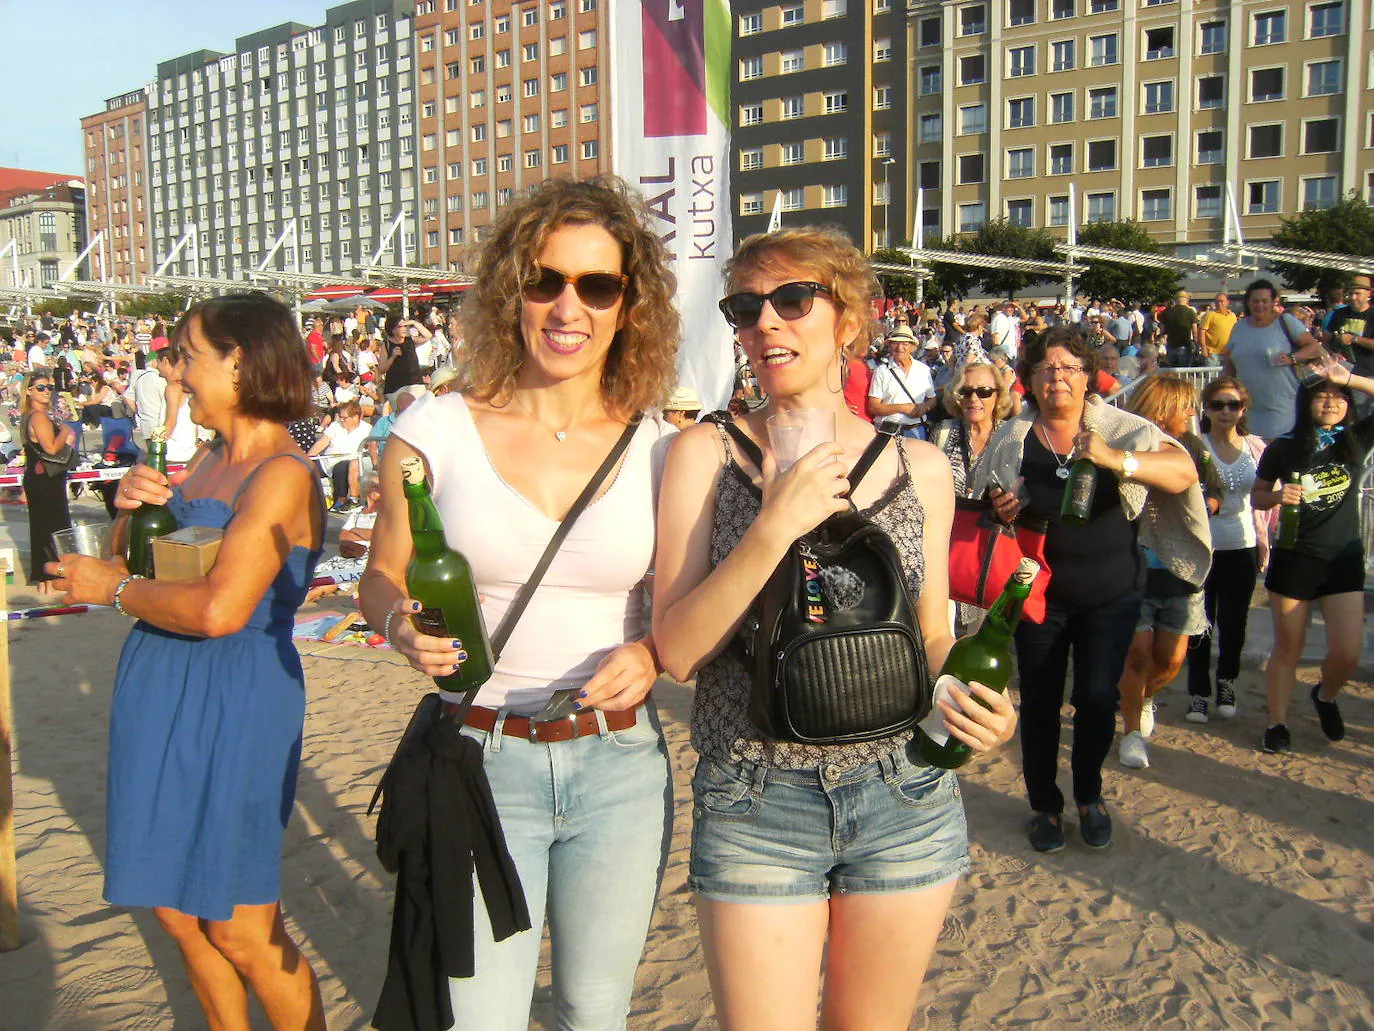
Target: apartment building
x,y
510,92
311,123
116,147
47,225
820,105
1149,107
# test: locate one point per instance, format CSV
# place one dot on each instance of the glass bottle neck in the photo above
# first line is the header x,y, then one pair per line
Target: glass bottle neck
x,y
1006,610
157,456
426,528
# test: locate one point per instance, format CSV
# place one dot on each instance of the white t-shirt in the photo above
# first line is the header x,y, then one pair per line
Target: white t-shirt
x,y
149,392
1004,332
1233,526
367,361
37,357
887,382
343,442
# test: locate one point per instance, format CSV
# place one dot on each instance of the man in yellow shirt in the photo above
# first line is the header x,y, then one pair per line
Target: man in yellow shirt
x,y
1214,329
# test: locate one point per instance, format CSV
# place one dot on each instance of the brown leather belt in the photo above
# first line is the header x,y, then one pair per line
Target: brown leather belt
x,y
479,717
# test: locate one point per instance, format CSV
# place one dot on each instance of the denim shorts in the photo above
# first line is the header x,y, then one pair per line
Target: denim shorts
x,y
1176,614
768,835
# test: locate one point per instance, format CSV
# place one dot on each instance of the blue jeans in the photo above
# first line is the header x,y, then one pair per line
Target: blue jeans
x,y
1099,638
587,822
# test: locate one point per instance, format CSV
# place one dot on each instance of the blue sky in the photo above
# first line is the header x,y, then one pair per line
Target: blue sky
x,y
58,71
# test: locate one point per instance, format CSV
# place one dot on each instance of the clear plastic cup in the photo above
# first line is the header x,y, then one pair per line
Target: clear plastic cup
x,y
91,539
792,434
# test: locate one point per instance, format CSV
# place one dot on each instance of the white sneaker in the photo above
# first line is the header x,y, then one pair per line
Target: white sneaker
x,y
1132,751
1226,699
1147,719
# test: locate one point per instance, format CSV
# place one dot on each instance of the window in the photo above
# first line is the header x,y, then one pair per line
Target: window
x,y
882,193
559,118
479,133
792,107
1266,141
929,78
751,114
1211,92
1102,102
973,20
1103,6
529,16
1326,19
1212,37
1061,159
590,149
1061,55
560,153
930,35
1320,135
834,54
530,123
972,70
587,113
793,15
882,49
1324,78
750,24
750,68
1102,50
529,52
532,158
836,148
836,102
792,61
1262,198
1156,151
1020,212
1156,205
972,217
478,98
1061,108
1021,163
1021,12
793,153
751,159
587,76
882,144
1101,155
477,30
1101,207
882,98
971,168
1266,84
503,93
1207,202
586,39
1020,62
929,175
1159,43
1209,147
836,196
751,204
1020,112
1059,211
479,166
973,118
1270,27
1159,97
793,199
930,128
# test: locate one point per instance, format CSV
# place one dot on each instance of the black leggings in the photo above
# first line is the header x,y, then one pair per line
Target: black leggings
x,y
1227,601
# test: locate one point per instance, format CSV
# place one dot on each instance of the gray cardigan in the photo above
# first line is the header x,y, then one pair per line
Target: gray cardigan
x,y
1174,526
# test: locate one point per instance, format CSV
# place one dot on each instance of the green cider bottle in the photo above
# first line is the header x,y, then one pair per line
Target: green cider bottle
x,y
1079,489
441,580
984,656
1290,518
148,522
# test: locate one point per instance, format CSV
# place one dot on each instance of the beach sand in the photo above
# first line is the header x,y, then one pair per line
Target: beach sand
x,y
1236,892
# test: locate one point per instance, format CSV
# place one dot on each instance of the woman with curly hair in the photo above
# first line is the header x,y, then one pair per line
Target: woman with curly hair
x,y
570,335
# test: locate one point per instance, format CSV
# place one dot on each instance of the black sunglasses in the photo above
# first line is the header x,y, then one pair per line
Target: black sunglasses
x,y
42,386
791,301
599,290
1225,406
983,392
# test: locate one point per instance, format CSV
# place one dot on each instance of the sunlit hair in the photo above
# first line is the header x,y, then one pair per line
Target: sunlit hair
x,y
975,323
824,254
1214,388
1161,398
1034,351
641,366
34,376
1005,403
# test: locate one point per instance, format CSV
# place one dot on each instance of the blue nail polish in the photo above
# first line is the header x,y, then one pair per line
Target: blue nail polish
x,y
577,706
582,694
462,656
414,606
457,644
457,668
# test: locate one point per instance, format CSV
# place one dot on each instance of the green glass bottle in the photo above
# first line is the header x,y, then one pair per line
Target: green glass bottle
x,y
1290,518
148,521
1079,489
984,656
440,579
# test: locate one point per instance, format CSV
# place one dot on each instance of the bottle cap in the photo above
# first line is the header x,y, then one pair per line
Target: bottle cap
x,y
413,470
1026,572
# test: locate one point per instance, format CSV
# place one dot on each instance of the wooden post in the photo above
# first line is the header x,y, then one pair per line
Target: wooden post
x,y
9,876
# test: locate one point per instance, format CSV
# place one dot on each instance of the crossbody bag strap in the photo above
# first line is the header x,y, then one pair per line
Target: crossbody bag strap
x,y
526,592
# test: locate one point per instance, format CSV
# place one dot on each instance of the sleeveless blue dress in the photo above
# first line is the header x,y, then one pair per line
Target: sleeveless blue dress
x,y
205,741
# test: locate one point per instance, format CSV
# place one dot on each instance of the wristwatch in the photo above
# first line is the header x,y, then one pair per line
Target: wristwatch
x,y
1129,464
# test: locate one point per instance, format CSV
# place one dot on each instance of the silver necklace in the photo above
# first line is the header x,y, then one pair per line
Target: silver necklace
x,y
1063,463
558,435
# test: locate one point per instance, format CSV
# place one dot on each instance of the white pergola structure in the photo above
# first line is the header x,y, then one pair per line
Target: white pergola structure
x,y
1234,245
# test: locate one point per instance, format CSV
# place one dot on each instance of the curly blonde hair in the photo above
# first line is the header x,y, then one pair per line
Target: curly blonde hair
x,y
1006,404
821,251
641,366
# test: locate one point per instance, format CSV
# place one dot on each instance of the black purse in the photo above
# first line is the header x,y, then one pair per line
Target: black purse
x,y
45,464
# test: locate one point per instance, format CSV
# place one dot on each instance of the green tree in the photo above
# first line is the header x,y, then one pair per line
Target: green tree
x,y
949,279
1134,284
1002,238
1345,228
896,287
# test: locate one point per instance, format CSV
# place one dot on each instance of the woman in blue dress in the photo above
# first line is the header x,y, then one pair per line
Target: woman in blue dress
x,y
209,698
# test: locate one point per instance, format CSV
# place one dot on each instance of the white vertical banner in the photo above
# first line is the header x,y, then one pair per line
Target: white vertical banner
x,y
671,138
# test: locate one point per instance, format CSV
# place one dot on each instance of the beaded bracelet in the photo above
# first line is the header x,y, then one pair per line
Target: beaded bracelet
x,y
386,627
119,590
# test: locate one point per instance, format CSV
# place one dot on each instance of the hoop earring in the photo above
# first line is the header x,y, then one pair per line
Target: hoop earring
x,y
841,369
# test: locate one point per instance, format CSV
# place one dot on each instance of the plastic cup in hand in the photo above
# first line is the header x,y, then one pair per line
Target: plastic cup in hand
x,y
91,539
792,434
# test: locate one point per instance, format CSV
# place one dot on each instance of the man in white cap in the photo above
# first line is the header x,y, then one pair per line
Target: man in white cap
x,y
683,408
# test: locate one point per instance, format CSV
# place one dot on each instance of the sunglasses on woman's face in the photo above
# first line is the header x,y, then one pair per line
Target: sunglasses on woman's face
x,y
599,290
1225,406
984,392
45,387
791,301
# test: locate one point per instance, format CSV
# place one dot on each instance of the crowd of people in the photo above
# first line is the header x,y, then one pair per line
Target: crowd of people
x,y
822,872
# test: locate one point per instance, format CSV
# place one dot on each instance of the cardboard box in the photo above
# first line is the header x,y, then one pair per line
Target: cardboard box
x,y
186,553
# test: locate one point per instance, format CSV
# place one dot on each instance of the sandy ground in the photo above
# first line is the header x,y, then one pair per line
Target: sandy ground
x,y
1236,893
